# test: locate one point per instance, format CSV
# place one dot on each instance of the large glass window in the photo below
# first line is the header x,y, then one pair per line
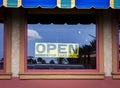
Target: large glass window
x,y
61,46
58,46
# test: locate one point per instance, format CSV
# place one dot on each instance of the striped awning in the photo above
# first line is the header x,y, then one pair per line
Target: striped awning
x,y
61,3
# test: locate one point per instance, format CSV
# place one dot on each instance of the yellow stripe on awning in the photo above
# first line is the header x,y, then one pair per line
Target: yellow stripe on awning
x,y
19,3
112,3
5,3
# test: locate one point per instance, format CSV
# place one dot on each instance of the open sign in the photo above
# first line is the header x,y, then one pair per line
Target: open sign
x,y
59,50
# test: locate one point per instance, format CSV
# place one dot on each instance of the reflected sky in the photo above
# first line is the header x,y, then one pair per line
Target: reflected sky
x,y
59,33
1,40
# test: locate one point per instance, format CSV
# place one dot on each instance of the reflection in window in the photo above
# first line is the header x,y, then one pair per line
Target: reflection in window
x,y
61,46
119,47
1,46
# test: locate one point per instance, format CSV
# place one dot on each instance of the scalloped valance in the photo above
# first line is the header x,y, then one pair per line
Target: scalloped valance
x,y
80,4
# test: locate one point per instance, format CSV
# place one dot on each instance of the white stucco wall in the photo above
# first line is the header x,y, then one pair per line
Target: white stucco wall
x,y
15,43
107,43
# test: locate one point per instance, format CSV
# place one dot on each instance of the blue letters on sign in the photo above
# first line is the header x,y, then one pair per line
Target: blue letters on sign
x,y
42,46
50,47
61,49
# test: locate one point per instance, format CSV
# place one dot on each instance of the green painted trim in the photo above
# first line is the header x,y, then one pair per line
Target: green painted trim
x,y
116,3
65,3
12,3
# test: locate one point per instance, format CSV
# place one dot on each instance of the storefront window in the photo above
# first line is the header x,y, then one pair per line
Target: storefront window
x,y
61,46
58,46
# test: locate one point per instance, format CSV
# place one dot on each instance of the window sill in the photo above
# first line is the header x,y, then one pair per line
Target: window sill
x,y
116,75
61,75
5,75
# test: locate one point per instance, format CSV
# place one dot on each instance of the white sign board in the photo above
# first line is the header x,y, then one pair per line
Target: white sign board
x,y
58,50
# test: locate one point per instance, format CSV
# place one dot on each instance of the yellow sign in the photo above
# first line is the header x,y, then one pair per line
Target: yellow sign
x,y
58,50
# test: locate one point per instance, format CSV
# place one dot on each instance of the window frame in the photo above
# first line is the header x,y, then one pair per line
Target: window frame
x,y
6,72
62,75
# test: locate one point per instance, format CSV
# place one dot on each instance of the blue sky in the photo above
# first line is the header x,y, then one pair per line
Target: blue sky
x,y
59,33
1,40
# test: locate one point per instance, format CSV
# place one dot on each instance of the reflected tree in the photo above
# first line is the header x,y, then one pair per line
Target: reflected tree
x,y
30,59
87,56
60,60
40,60
34,62
89,53
2,59
43,62
93,45
1,63
52,62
